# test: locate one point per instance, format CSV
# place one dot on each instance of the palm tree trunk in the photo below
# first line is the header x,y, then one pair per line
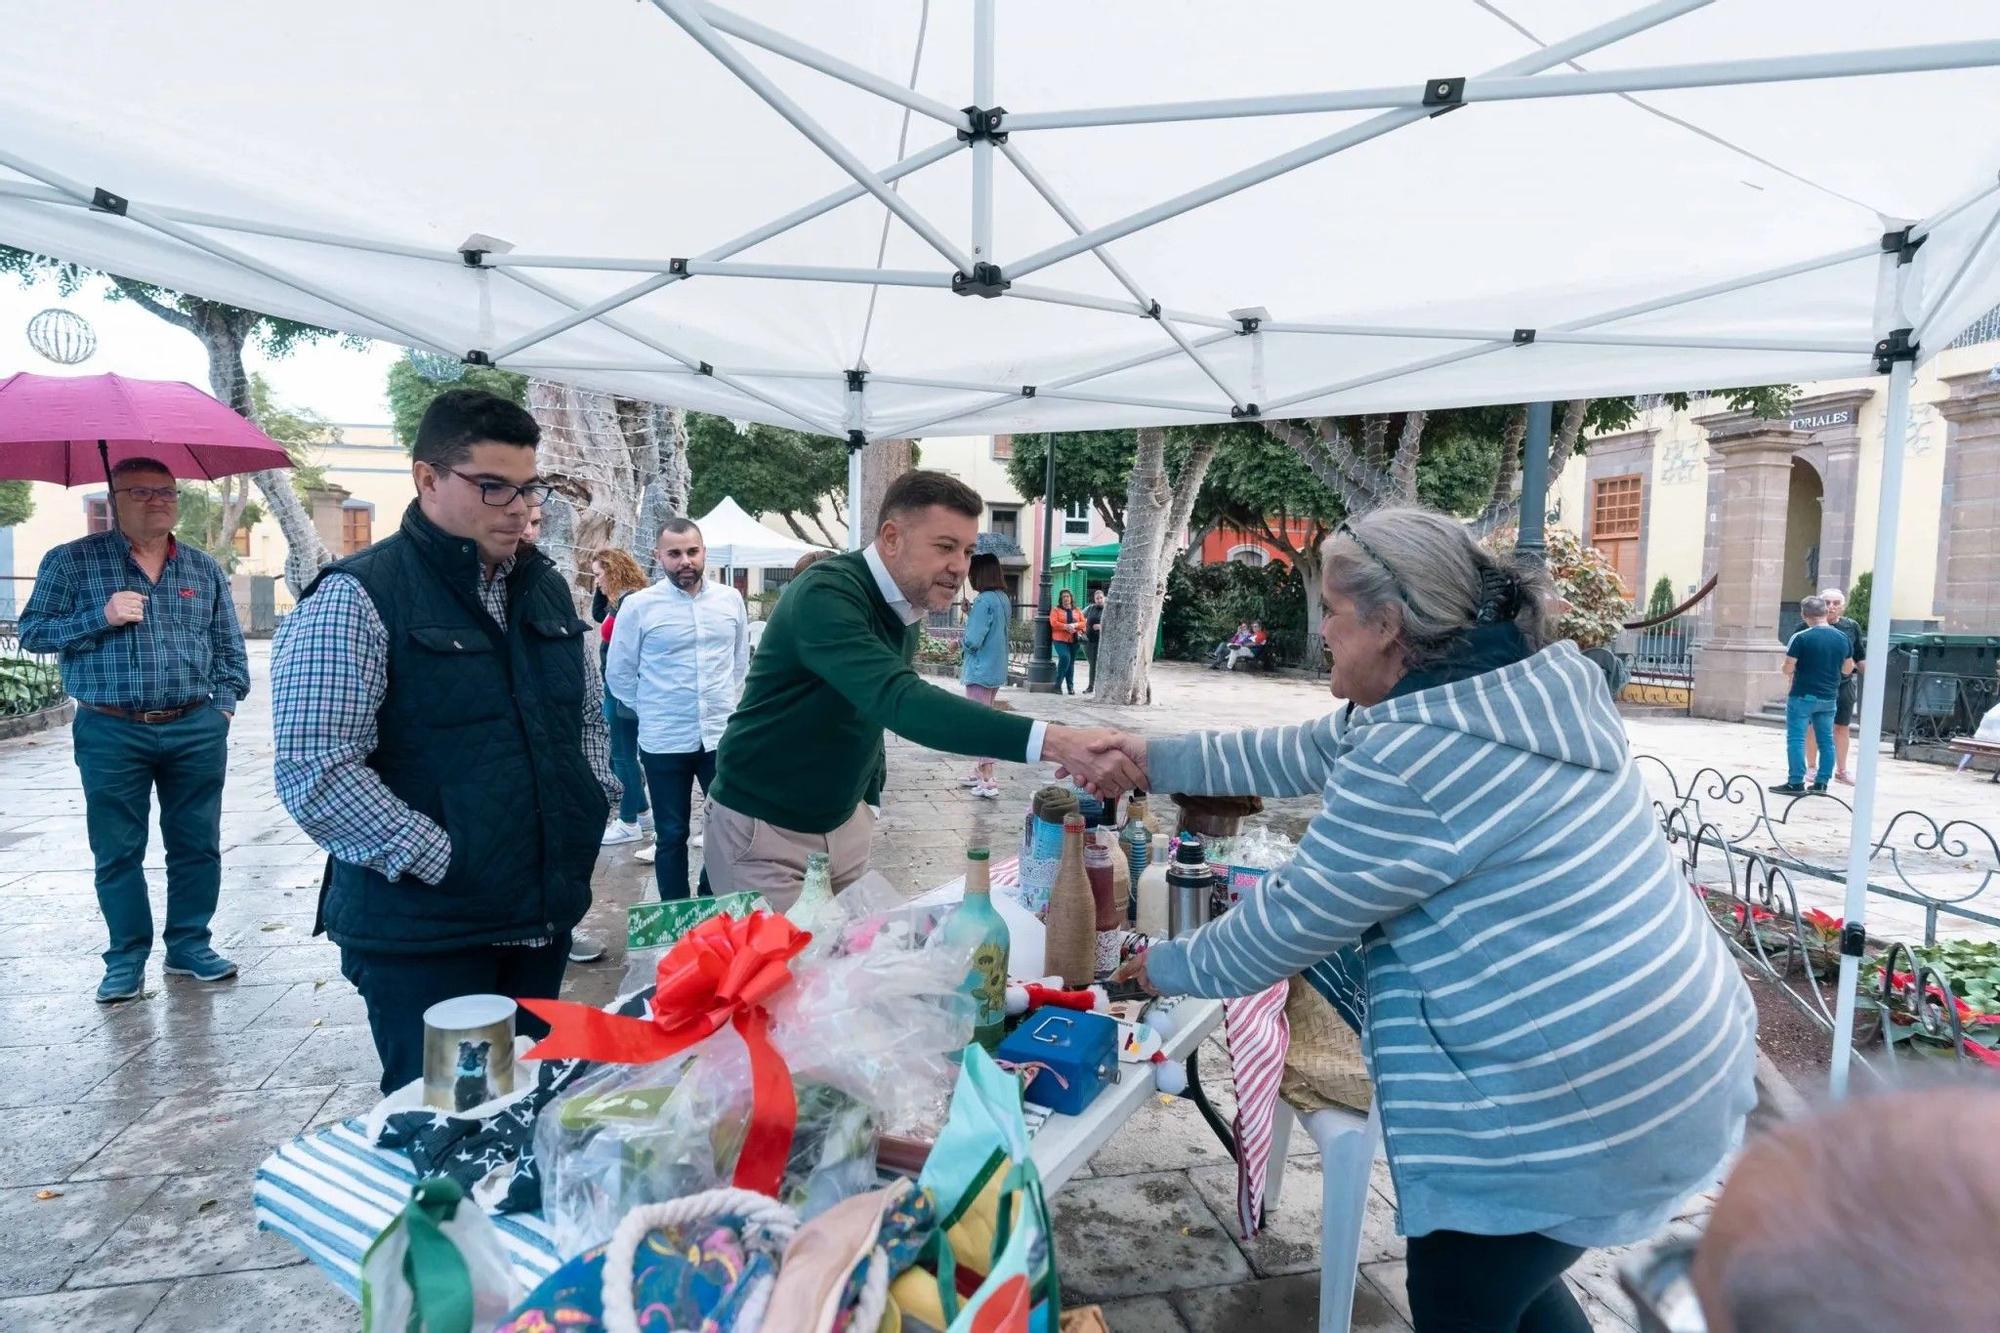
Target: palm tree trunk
x,y
1502,505
1403,470
1137,585
222,337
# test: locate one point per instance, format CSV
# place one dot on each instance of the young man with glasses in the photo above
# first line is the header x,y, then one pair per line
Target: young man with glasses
x,y
152,654
440,732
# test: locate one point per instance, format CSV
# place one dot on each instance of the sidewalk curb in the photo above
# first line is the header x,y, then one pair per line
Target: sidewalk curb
x,y
1776,1092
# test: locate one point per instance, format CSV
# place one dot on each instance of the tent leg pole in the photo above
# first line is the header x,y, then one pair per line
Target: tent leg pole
x,y
1533,537
1881,606
1042,666
854,542
982,147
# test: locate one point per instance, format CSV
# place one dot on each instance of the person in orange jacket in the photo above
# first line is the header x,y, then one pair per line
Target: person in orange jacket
x,y
1065,627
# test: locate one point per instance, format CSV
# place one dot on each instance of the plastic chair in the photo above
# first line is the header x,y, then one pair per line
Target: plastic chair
x,y
1347,1146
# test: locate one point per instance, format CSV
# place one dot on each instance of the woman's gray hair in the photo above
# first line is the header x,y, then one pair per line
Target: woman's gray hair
x,y
1438,578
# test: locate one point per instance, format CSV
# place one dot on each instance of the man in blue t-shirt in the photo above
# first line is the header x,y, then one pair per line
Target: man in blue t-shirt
x,y
1817,659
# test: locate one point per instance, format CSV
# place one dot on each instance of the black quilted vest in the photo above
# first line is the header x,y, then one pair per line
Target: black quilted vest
x,y
481,731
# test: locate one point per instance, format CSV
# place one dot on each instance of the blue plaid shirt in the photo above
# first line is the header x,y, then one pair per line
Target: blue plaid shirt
x,y
187,648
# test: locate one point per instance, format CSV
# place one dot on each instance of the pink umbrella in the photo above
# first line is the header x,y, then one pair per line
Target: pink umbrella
x,y
70,429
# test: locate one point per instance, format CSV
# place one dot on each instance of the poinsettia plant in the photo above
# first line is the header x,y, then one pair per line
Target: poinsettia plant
x,y
1597,606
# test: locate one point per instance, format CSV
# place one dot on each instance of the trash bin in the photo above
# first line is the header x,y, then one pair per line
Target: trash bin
x,y
1937,684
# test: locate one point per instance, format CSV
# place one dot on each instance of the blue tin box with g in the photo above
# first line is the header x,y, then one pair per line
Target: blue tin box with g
x,y
1080,1052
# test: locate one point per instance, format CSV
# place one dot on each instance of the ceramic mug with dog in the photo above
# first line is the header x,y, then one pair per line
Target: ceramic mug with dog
x,y
468,1051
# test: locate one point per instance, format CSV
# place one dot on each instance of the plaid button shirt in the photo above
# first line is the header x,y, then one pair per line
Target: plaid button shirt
x,y
329,676
187,648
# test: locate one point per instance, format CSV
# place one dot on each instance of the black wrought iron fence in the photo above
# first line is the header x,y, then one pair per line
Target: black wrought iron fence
x,y
1752,859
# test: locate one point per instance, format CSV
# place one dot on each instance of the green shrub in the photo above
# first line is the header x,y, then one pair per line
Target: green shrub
x,y
1662,600
1205,603
1857,598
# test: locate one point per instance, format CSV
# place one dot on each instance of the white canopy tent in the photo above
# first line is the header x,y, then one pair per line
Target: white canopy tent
x,y
735,540
823,218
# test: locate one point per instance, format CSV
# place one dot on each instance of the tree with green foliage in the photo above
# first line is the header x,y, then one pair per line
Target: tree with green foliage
x,y
1661,604
17,503
224,331
410,392
212,513
767,470
1859,596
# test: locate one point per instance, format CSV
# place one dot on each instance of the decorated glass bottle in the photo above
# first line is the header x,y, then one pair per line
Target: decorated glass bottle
x,y
1137,840
1070,950
975,926
815,911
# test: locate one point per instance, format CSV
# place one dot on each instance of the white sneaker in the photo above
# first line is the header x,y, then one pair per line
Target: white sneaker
x,y
621,832
584,948
987,791
694,838
973,781
646,854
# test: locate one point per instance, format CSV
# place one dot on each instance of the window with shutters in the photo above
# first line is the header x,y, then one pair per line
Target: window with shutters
x,y
1616,512
97,514
241,541
357,528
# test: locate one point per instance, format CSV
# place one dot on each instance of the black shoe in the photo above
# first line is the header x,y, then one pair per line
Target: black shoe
x,y
1817,789
1789,789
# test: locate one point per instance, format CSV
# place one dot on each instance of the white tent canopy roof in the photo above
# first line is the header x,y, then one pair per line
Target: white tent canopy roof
x,y
672,201
735,540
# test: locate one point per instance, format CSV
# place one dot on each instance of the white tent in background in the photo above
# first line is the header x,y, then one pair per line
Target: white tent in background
x,y
883,219
735,540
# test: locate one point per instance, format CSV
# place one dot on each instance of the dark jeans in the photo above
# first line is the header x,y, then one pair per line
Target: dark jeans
x,y
398,987
624,726
1461,1283
1092,659
671,777
122,763
1065,666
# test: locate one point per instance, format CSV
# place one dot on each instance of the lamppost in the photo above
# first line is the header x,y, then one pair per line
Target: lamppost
x,y
1532,539
1042,666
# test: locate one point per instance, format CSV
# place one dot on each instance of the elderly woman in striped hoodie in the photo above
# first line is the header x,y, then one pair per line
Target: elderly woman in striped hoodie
x,y
1561,1046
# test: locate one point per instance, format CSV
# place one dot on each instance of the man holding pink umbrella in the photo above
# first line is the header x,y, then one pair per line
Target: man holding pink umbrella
x,y
152,654
148,639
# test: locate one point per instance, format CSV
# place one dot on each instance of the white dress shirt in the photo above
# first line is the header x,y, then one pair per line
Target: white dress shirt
x,y
677,660
910,615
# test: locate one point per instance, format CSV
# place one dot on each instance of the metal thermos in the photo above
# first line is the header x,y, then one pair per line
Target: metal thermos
x,y
1189,882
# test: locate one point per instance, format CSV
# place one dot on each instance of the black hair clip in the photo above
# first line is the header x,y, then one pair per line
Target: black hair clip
x,y
1499,595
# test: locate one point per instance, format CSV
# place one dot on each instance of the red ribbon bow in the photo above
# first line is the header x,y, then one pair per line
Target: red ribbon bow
x,y
720,972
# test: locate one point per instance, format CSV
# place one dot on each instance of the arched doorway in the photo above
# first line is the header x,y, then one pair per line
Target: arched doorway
x,y
1803,507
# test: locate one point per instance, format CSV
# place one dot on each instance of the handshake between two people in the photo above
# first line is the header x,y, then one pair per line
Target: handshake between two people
x,y
1105,762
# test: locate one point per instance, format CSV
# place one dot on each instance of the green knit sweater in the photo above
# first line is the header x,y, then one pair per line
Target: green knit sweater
x,y
832,672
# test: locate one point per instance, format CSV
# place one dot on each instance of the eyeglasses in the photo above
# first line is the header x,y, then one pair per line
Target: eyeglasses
x,y
500,494
145,493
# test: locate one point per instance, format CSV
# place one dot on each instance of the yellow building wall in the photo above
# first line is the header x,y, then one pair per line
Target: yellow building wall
x,y
1677,519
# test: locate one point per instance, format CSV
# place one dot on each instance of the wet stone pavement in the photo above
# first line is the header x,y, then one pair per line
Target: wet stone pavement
x,y
131,1132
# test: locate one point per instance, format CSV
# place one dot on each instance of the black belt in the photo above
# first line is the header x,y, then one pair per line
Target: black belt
x,y
150,716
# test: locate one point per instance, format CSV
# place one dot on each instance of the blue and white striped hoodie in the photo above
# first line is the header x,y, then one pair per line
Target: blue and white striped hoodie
x,y
1559,1040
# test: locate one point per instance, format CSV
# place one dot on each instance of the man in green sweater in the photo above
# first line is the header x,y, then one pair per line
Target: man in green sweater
x,y
801,761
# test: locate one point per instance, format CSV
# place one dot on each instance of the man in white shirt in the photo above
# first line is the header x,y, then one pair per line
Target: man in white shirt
x,y
678,653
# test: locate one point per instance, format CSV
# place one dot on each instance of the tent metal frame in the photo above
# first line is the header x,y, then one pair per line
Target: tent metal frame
x,y
982,129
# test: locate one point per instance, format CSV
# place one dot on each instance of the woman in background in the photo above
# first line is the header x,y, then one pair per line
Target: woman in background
x,y
1065,625
983,652
618,575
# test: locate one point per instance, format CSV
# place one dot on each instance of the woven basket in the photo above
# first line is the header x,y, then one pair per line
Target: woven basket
x,y
1323,1065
